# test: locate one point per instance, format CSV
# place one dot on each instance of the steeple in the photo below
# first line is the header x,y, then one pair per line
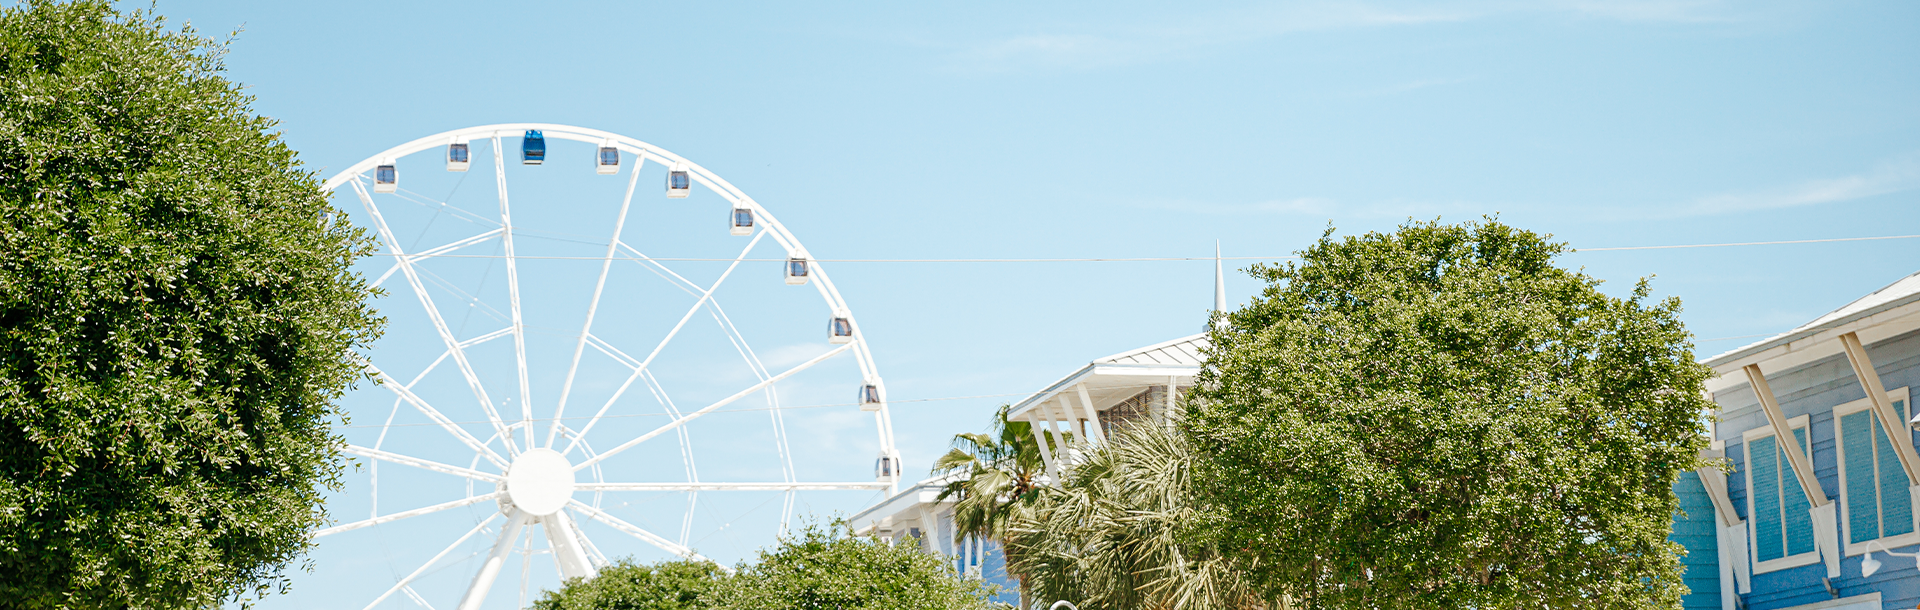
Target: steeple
x,y
1219,281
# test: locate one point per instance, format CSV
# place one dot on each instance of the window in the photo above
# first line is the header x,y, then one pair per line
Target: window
x,y
1873,485
1778,510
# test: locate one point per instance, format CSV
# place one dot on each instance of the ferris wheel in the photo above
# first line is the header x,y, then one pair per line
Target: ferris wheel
x,y
557,388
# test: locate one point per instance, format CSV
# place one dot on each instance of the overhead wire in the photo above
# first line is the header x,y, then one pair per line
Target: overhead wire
x,y
739,410
1107,259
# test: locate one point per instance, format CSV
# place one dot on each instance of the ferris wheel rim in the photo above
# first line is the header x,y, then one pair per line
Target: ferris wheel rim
x,y
720,186
354,176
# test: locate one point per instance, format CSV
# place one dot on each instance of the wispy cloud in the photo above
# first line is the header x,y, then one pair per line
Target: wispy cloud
x,y
1890,176
1665,11
1321,207
1099,45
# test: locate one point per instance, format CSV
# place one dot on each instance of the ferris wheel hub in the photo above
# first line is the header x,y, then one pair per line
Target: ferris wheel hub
x,y
540,481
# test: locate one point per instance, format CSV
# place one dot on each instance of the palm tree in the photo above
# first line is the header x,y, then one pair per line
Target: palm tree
x,y
1124,531
999,478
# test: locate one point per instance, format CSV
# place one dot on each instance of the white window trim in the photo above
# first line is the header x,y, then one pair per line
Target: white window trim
x,y
1846,524
1753,542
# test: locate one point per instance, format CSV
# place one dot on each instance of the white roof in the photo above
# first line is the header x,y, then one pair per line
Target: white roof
x,y
1118,377
1901,292
920,495
1184,351
1873,311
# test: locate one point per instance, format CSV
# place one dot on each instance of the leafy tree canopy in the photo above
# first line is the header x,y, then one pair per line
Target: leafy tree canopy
x,y
1441,417
177,317
823,569
669,585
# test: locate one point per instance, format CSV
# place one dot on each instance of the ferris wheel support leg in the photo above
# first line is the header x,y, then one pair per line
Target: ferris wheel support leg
x,y
483,582
567,550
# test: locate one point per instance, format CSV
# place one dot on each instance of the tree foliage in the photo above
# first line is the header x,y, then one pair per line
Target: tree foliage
x,y
1441,417
1125,531
825,569
625,585
177,316
1000,472
996,480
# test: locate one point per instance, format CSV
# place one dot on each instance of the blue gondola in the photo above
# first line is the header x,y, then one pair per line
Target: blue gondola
x,y
533,147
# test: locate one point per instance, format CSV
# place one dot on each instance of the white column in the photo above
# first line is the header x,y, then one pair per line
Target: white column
x,y
1046,409
1046,454
1093,417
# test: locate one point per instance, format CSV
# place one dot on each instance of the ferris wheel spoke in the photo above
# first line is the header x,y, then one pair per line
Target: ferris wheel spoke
x,y
483,581
504,331
630,362
678,281
568,553
408,514
434,414
477,528
709,408
699,486
426,302
686,442
454,245
705,296
599,287
396,458
773,397
513,292
635,531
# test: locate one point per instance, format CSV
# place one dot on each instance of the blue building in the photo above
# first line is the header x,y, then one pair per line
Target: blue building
x,y
1817,511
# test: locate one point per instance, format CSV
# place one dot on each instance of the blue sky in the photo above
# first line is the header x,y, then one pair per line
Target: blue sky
x,y
1126,129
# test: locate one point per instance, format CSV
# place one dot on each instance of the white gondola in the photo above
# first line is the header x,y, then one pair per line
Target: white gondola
x,y
742,221
679,182
870,397
885,468
386,178
458,156
840,330
797,270
608,161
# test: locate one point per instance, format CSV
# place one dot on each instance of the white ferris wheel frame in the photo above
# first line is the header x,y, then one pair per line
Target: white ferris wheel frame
x,y
573,552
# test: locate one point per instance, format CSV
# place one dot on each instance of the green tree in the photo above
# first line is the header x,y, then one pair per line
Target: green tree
x,y
996,479
668,585
818,568
1125,531
177,318
1441,417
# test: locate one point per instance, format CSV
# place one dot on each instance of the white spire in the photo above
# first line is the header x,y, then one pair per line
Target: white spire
x,y
1219,280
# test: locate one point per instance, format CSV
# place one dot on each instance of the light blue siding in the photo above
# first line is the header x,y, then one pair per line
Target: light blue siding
x,y
1768,544
1694,529
1797,510
1896,504
1863,506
